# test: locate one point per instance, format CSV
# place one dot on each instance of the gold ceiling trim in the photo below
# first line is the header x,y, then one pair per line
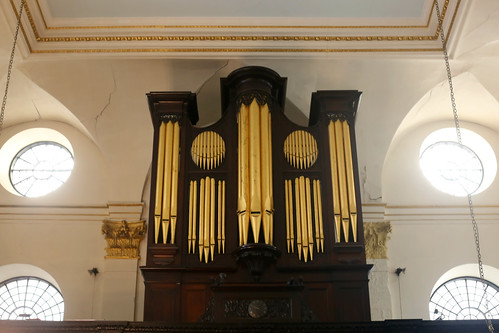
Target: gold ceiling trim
x,y
231,50
234,38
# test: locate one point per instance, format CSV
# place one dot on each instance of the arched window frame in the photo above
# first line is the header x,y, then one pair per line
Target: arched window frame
x,y
464,298
30,297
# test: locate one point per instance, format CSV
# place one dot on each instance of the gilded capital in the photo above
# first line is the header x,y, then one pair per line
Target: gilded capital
x,y
376,234
123,238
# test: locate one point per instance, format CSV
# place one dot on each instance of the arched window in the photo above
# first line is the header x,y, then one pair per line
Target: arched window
x,y
29,297
465,298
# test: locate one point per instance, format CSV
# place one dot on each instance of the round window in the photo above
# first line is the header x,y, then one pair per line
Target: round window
x,y
455,168
40,168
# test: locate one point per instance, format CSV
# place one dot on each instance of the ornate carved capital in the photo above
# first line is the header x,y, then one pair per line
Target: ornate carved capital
x,y
123,238
376,234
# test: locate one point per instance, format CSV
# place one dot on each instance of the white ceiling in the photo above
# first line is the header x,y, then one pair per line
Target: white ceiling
x,y
218,28
235,8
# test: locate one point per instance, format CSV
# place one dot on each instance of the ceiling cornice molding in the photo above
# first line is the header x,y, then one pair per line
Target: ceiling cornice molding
x,y
134,37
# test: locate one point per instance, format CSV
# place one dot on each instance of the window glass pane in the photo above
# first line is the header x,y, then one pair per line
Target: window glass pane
x,y
40,168
30,298
464,298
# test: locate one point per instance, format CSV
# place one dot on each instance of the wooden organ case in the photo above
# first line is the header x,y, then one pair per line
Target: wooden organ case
x,y
254,218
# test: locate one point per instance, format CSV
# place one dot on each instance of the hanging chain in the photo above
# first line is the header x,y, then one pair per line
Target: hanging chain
x,y
11,62
459,140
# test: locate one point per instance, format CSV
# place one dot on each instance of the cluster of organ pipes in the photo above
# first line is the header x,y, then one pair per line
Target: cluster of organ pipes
x,y
204,215
165,209
303,217
255,205
208,150
342,178
300,149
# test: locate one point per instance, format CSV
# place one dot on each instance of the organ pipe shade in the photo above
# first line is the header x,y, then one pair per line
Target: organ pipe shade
x,y
304,217
207,216
165,209
342,181
255,208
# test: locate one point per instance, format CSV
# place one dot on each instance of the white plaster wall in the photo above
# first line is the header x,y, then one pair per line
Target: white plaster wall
x,y
429,248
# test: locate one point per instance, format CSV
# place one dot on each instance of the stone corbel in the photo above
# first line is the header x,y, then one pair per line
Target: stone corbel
x,y
123,238
376,234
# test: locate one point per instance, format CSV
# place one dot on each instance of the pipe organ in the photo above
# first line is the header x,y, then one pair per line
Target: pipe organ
x,y
255,217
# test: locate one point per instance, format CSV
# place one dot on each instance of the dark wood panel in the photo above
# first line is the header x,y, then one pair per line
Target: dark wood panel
x,y
194,299
163,302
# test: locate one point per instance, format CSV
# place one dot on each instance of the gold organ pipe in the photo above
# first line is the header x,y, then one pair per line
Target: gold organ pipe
x,y
223,216
288,214
222,149
299,244
350,179
219,224
206,147
167,181
293,148
201,218
271,185
255,170
300,149
203,150
345,215
321,223
307,149
303,150
334,180
159,181
174,196
303,218
266,173
314,148
286,150
309,218
189,232
194,215
208,150
243,186
212,149
240,201
291,222
207,206
218,149
316,215
212,217
198,151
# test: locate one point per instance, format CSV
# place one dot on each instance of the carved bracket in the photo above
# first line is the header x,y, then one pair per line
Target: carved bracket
x,y
256,257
